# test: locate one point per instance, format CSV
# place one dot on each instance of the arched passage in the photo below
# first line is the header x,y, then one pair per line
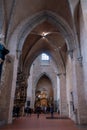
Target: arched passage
x,y
44,92
38,69
47,43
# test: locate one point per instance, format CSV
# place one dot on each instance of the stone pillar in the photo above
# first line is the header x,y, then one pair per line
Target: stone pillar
x,y
82,105
13,89
63,100
29,89
81,67
33,97
5,88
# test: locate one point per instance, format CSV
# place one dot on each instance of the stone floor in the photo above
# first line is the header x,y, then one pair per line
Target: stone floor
x,y
42,123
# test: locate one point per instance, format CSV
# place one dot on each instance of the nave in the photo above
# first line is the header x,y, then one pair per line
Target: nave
x,y
43,61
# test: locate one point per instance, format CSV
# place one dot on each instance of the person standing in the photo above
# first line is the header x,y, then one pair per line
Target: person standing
x,y
38,110
29,111
17,110
51,110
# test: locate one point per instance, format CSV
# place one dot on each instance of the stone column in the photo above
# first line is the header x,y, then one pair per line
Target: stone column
x,y
5,88
82,105
33,97
63,100
13,89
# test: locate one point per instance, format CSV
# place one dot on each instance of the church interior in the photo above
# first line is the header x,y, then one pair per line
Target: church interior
x,y
43,57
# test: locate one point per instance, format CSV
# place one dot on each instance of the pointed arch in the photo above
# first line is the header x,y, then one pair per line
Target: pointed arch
x,y
54,19
42,74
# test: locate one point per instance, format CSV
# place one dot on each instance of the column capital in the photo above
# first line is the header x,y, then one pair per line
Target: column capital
x,y
70,52
59,74
80,58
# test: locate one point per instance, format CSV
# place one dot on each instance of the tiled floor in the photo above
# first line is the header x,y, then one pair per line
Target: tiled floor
x,y
41,123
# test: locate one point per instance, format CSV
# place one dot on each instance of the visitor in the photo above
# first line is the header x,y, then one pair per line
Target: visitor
x,y
51,110
38,111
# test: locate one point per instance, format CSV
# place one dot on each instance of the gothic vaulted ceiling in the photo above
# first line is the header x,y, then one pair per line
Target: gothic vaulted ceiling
x,y
46,26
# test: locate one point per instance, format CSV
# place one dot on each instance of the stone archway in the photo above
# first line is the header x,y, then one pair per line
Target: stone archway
x,y
44,92
54,19
22,33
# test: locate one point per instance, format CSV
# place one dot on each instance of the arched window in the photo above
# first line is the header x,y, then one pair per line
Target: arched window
x,y
44,57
